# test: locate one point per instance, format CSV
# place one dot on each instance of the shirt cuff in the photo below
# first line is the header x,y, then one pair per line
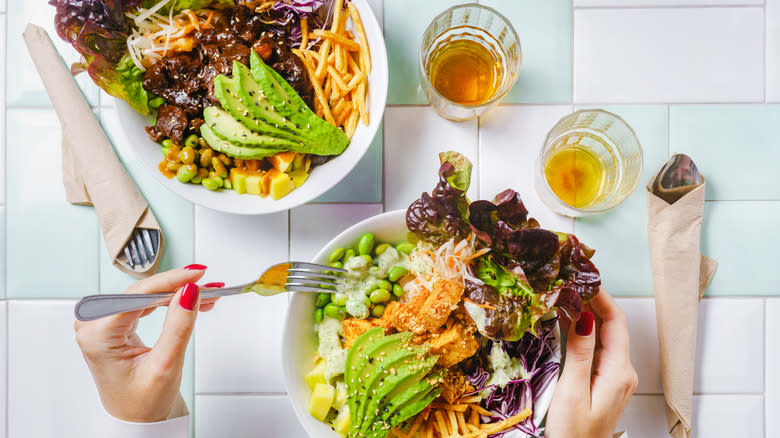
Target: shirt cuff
x,y
173,428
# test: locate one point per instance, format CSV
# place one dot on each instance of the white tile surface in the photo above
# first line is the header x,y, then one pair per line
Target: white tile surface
x,y
3,63
510,138
3,367
640,313
730,360
645,417
657,3
772,365
702,55
313,226
414,136
773,50
716,416
246,417
49,385
237,345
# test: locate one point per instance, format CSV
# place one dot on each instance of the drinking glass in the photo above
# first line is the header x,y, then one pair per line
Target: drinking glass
x,y
480,24
610,141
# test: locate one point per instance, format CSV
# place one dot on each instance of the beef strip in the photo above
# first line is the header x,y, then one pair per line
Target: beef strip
x,y
171,123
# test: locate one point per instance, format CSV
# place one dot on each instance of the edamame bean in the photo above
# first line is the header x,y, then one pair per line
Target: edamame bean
x,y
318,315
378,311
380,296
334,311
192,141
381,248
187,155
337,264
398,290
405,247
202,142
172,166
219,167
205,157
209,183
220,181
322,299
339,299
397,273
228,184
186,172
348,254
227,161
383,284
173,152
367,302
167,143
337,254
367,258
156,102
366,244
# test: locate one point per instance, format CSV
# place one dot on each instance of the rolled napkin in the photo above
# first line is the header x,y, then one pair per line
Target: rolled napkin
x,y
680,276
91,171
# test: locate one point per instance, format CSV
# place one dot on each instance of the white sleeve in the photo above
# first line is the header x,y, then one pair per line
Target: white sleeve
x,y
173,428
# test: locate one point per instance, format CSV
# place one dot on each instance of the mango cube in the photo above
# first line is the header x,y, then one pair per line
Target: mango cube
x,y
316,375
341,422
321,401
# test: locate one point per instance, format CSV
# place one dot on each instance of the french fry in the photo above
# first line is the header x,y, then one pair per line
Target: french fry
x,y
397,432
304,33
415,426
352,124
341,64
480,410
442,425
317,89
324,51
336,38
470,399
454,427
336,76
461,422
361,101
474,418
364,53
338,6
448,407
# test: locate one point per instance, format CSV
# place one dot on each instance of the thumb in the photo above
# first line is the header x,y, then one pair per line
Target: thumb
x,y
580,347
177,330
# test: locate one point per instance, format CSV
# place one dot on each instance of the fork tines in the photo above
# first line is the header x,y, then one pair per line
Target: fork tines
x,y
311,277
141,250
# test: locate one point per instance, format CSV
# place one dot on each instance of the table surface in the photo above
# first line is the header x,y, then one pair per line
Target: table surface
x,y
693,76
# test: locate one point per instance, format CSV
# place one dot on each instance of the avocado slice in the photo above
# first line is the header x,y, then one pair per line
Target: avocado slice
x,y
412,402
322,137
229,129
350,371
230,149
379,357
396,389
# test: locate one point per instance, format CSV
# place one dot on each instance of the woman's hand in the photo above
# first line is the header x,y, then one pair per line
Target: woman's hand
x,y
597,379
137,383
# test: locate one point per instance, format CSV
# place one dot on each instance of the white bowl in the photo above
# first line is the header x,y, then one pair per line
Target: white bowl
x,y
321,179
299,340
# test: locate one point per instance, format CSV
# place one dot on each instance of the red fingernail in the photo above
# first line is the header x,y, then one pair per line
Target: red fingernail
x,y
216,284
196,267
189,295
584,324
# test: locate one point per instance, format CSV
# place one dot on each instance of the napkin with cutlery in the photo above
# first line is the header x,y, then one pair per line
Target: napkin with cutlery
x,y
680,276
91,171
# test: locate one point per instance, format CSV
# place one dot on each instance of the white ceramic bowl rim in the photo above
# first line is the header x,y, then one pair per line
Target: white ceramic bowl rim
x,y
299,339
321,179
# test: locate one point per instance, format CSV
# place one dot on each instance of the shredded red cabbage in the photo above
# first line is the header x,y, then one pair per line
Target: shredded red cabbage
x,y
536,355
291,11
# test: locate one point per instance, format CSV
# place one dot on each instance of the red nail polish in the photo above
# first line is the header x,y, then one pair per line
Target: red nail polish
x,y
216,284
189,295
584,324
196,267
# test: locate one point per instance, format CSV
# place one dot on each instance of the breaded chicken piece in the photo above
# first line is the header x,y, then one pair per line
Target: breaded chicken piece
x,y
354,327
428,310
454,385
453,345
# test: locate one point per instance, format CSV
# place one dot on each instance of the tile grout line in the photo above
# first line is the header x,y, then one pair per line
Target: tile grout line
x,y
766,365
683,6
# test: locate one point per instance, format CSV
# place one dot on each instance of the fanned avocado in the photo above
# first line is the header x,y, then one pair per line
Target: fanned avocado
x,y
228,128
397,389
226,91
411,403
350,372
380,354
232,150
322,137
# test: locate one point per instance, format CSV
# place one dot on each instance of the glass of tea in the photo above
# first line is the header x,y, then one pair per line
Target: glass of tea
x,y
591,161
469,59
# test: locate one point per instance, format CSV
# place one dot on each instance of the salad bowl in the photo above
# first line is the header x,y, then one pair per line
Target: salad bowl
x,y
300,338
322,178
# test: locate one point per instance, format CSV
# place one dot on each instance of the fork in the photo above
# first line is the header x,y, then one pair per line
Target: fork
x,y
279,278
141,250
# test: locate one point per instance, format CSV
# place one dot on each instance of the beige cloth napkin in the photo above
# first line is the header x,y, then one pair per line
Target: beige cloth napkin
x,y
680,276
91,171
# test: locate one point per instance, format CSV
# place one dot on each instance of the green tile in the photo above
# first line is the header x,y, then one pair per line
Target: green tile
x,y
741,236
729,142
405,22
149,329
544,28
45,233
174,214
364,183
27,88
620,235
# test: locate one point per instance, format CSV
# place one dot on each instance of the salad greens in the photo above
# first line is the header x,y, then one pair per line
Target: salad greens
x,y
528,272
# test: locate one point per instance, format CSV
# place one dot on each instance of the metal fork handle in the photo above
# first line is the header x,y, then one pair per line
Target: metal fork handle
x,y
99,306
